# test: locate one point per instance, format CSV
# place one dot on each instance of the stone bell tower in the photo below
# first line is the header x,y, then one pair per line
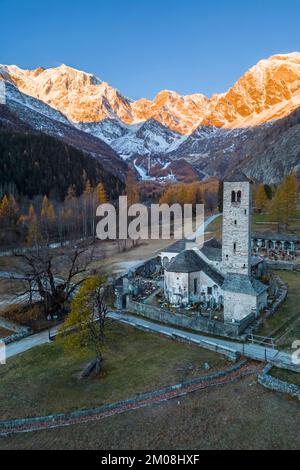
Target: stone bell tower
x,y
237,219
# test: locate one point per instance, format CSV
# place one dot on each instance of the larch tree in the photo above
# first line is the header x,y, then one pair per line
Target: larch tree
x,y
33,231
277,208
86,323
69,213
9,215
131,190
88,209
289,194
260,198
47,217
101,196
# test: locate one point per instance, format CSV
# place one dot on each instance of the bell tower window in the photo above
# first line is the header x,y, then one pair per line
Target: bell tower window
x,y
239,196
233,196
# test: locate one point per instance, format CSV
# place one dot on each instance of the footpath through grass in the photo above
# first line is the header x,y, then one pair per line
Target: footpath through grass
x,y
45,380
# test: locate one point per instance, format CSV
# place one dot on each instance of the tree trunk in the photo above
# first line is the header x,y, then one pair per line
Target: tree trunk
x,y
98,366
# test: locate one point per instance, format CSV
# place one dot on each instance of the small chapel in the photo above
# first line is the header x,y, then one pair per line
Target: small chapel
x,y
223,275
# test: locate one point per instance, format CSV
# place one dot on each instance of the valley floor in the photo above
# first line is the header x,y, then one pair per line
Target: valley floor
x,y
239,415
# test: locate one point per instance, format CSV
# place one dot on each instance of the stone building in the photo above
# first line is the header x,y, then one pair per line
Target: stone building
x,y
278,243
243,294
220,275
189,279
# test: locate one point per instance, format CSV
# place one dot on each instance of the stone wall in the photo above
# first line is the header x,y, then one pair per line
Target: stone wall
x,y
238,305
281,265
19,332
280,291
272,383
196,322
15,425
177,288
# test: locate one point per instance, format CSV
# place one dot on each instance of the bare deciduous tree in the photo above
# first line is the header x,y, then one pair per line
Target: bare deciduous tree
x,y
41,275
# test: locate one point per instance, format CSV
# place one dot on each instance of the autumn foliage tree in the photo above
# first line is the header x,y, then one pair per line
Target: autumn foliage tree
x,y
9,215
34,233
101,196
131,189
284,203
260,198
47,218
85,325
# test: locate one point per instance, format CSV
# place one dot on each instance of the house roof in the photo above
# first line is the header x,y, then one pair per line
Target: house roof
x,y
188,262
243,284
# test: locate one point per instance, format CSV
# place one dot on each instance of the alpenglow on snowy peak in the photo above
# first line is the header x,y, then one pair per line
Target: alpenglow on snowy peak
x,y
269,90
255,125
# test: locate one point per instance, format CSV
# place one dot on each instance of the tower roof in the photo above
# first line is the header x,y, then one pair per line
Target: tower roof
x,y
237,176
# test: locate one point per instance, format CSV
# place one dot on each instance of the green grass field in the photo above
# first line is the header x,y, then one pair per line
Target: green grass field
x,y
286,375
291,307
45,380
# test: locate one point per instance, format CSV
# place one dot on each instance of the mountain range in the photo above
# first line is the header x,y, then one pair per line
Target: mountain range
x,y
255,125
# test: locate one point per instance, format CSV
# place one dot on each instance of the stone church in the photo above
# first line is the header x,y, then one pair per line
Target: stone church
x,y
220,275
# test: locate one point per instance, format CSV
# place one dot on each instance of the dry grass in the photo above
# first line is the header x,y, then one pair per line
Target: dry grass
x,y
241,415
290,329
4,333
286,375
45,380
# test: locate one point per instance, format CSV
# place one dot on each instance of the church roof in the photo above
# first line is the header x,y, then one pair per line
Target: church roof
x,y
177,247
213,243
243,284
237,177
188,262
212,249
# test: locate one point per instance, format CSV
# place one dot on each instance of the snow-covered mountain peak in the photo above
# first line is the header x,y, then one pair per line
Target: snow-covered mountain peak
x,y
267,91
81,96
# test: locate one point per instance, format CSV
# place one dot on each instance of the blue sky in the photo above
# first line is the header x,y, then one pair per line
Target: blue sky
x,y
141,47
